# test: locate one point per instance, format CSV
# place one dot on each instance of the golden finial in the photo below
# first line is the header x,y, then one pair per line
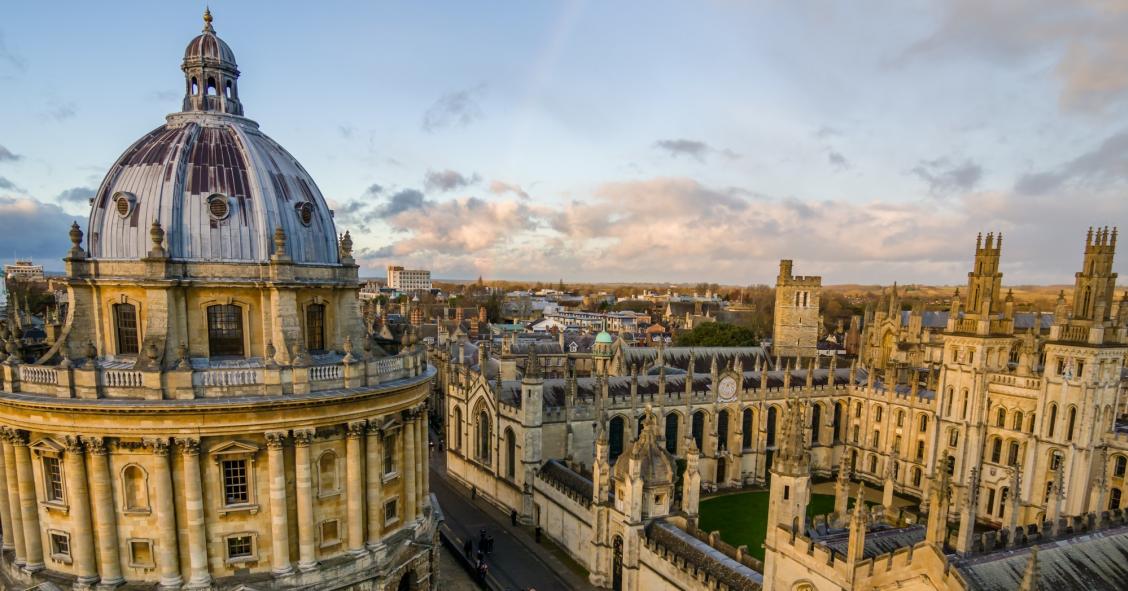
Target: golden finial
x,y
208,19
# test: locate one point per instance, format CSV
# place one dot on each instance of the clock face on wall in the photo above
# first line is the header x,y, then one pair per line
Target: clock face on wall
x,y
726,389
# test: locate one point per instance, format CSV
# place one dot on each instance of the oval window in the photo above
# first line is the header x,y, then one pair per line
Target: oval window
x,y
123,203
218,207
305,212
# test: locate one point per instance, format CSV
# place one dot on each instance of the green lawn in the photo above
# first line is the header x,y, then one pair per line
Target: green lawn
x,y
742,518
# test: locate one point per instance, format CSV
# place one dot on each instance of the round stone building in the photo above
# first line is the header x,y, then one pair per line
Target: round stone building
x,y
214,414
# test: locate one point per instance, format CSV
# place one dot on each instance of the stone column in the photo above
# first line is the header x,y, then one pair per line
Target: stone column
x,y
424,459
199,577
355,468
14,510
78,497
29,508
375,482
279,522
168,553
307,559
105,519
5,507
409,460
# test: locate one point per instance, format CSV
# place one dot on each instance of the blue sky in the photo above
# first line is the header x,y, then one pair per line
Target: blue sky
x,y
679,141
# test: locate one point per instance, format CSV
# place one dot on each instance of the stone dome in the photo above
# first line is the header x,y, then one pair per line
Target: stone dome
x,y
218,186
656,465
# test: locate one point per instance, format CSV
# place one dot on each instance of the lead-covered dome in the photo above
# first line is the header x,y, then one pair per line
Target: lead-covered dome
x,y
217,185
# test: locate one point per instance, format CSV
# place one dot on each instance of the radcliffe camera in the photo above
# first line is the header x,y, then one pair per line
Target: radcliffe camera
x,y
664,296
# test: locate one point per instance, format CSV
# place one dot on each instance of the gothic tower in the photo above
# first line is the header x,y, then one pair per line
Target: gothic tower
x,y
795,330
790,490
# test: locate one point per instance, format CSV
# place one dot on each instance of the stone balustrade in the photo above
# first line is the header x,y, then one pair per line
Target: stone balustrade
x,y
38,374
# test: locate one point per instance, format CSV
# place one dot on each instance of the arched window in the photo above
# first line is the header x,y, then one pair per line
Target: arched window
x,y
1001,417
615,438
211,89
1017,423
227,89
328,481
923,423
135,489
916,476
457,443
963,402
1053,420
951,398
839,410
125,328
816,423
1085,302
672,432
1003,494
483,436
746,429
225,330
699,429
1120,465
722,430
771,426
195,86
315,327
858,410
1012,454
1031,422
920,450
1071,423
1113,499
877,414
900,418
510,454
996,450
873,464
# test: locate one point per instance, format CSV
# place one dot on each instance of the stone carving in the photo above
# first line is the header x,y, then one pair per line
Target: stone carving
x,y
189,446
275,439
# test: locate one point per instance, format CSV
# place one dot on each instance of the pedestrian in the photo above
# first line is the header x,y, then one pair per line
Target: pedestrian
x,y
482,570
481,555
468,548
473,492
537,533
431,448
513,517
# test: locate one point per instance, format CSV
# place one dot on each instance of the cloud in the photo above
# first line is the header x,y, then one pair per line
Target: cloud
x,y
6,155
11,61
9,185
399,202
697,150
32,229
453,109
1084,40
501,188
57,111
837,160
447,180
77,195
826,132
1105,164
944,177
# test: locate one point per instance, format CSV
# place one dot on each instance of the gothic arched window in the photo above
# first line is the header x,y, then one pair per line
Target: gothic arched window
x,y
483,436
746,429
1053,420
672,432
1071,423
616,437
510,454
699,429
722,430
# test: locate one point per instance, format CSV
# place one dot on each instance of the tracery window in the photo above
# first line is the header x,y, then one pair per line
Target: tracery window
x,y
1120,466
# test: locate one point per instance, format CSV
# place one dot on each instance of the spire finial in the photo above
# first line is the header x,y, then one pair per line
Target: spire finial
x,y
208,20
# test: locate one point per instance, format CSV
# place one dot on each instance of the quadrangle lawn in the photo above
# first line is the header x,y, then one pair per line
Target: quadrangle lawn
x,y
742,517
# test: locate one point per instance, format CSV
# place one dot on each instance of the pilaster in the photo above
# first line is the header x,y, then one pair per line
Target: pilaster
x,y
279,523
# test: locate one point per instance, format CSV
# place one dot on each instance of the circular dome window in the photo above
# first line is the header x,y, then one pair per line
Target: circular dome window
x,y
124,203
305,212
218,207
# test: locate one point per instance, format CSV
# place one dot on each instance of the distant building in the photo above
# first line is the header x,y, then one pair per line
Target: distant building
x,y
408,279
796,322
24,270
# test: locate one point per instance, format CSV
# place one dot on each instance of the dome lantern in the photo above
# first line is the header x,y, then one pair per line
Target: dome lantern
x,y
211,76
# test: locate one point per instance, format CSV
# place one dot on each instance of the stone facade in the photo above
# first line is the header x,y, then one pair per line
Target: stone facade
x,y
795,330
214,424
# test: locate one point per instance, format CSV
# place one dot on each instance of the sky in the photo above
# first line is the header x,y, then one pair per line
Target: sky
x,y
616,141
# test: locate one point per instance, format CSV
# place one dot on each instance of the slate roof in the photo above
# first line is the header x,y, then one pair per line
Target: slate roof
x,y
731,573
878,541
938,319
1096,561
702,357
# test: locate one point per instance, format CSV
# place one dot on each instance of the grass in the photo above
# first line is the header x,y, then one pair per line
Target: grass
x,y
742,518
